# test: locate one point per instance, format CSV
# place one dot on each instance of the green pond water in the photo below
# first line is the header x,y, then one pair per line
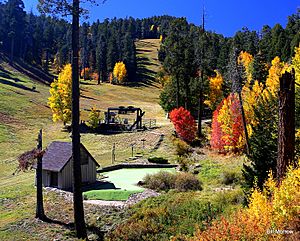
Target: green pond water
x,y
118,185
127,178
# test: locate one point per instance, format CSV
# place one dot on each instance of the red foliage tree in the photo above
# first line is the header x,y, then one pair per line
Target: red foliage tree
x,y
237,141
227,129
184,124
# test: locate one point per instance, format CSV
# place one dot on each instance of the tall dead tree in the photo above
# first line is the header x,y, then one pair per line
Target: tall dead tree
x,y
64,8
235,74
286,126
77,192
40,214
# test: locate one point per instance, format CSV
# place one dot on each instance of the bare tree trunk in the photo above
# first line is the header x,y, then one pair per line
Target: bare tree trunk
x,y
39,213
244,123
286,126
77,193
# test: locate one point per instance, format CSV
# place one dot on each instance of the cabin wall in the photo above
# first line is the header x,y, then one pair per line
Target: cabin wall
x,y
88,171
65,177
46,178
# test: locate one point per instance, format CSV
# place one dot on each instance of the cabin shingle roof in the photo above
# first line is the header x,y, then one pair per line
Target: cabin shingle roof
x,y
58,154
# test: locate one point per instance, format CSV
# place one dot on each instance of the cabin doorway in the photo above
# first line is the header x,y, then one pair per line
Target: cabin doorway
x,y
54,179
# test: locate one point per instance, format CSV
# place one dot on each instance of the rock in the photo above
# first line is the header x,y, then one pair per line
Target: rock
x,y
93,237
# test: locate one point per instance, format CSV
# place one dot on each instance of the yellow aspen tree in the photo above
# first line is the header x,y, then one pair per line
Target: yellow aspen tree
x,y
215,91
246,60
250,97
94,117
60,96
275,72
296,66
120,72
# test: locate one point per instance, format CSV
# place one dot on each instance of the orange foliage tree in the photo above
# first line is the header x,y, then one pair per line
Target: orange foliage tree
x,y
228,117
184,124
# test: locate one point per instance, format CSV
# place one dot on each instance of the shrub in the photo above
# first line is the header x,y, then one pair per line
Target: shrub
x,y
162,181
184,124
187,181
182,148
184,163
158,160
229,177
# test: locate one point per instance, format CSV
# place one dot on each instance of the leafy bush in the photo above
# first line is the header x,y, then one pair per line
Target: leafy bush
x,y
184,163
182,148
158,160
184,124
229,177
164,181
160,181
187,181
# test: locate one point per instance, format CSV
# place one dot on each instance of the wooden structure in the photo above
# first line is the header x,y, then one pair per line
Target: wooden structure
x,y
57,166
112,112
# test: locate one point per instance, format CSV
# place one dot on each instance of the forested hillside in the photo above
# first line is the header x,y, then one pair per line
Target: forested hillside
x,y
46,41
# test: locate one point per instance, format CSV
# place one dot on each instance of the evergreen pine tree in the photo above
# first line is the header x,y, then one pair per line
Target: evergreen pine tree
x,y
263,144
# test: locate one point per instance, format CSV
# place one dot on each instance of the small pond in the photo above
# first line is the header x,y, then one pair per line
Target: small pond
x,y
120,184
127,178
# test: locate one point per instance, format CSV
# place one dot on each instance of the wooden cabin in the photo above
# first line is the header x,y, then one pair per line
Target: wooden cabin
x,y
57,166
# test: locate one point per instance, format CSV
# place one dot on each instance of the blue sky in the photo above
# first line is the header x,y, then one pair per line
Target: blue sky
x,y
225,17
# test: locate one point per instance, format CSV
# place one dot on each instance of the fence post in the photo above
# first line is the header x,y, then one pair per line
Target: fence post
x,y
113,154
